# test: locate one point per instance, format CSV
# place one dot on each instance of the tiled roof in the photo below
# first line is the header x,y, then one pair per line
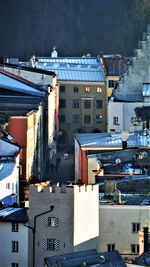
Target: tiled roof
x,y
13,215
73,69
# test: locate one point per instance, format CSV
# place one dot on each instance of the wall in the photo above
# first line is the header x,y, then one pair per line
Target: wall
x,y
86,217
6,255
116,225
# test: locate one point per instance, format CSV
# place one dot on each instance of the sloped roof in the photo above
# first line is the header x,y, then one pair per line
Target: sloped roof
x,y
73,69
10,81
89,257
6,168
113,141
13,215
8,149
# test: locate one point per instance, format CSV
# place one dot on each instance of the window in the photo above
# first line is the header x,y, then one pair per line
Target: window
x,y
88,89
99,103
87,103
8,186
76,89
135,227
87,119
115,121
13,264
111,83
15,246
76,119
62,103
110,247
51,221
75,103
62,89
98,89
99,119
50,244
15,227
62,118
135,248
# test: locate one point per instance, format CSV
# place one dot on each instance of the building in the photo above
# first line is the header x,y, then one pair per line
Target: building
x,y
14,237
9,172
58,217
82,94
132,91
48,82
90,152
119,227
86,258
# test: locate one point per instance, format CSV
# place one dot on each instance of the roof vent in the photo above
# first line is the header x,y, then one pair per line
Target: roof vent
x,y
102,259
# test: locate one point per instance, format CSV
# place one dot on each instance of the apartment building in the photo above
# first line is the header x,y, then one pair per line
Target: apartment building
x,y
82,94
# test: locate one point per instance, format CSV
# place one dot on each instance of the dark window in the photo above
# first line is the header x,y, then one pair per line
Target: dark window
x,y
76,118
115,121
51,244
99,103
111,83
62,89
15,227
14,264
87,103
88,89
99,119
51,221
62,103
76,89
135,248
135,227
87,119
15,246
62,118
75,103
110,247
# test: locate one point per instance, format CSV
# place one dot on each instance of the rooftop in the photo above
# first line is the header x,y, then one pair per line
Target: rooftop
x,y
13,215
73,69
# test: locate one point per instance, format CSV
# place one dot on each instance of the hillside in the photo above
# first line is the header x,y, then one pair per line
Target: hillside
x,y
75,27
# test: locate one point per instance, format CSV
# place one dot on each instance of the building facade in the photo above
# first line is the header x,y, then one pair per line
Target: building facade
x,y
58,217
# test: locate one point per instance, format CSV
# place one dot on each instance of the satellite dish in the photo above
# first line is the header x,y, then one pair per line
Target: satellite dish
x,y
118,161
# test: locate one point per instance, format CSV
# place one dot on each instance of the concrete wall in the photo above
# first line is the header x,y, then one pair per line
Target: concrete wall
x,y
6,237
71,207
116,225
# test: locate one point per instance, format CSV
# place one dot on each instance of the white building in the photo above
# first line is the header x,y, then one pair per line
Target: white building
x,y
63,220
9,172
119,227
13,238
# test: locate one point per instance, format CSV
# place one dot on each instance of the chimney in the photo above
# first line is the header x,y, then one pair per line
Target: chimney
x,y
54,52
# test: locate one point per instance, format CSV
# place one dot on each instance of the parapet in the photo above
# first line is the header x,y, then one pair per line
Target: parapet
x,y
47,187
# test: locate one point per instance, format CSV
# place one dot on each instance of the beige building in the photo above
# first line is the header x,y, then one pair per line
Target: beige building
x,y
60,222
119,227
82,94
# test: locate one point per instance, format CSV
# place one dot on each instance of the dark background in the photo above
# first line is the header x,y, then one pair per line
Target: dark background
x,y
75,27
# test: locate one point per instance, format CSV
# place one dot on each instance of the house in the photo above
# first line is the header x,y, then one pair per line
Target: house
x,y
14,237
9,172
82,94
89,148
86,258
131,92
23,103
58,220
47,81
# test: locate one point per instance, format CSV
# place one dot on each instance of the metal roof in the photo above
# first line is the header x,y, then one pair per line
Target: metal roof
x,y
73,69
8,149
110,141
6,169
146,89
13,215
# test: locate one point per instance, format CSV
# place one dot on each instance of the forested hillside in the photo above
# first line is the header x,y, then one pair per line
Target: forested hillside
x,y
75,27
